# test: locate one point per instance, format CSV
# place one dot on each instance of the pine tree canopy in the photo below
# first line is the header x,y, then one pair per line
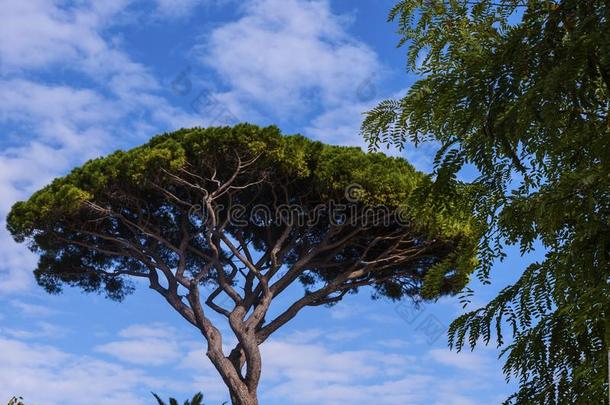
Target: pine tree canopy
x,y
195,212
86,224
519,90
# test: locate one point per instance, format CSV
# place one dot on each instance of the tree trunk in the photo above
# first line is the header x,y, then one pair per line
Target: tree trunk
x,y
249,399
240,394
238,390
241,390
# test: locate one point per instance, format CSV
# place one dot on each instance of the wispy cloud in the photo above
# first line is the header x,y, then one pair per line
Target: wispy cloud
x,y
34,310
46,375
307,373
37,330
152,345
288,57
301,367
39,33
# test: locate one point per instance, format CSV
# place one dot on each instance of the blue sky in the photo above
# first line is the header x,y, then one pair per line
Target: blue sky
x,y
80,79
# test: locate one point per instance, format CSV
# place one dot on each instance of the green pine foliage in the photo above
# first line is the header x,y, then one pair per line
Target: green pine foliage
x,y
520,89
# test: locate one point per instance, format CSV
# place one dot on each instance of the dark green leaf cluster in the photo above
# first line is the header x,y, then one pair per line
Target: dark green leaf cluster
x,y
520,89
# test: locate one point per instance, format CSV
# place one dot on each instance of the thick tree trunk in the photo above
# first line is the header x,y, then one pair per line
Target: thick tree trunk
x,y
250,400
240,393
239,359
242,390
244,399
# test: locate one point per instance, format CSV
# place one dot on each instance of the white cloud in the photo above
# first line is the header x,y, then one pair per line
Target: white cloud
x,y
341,125
288,56
298,361
33,310
155,331
43,330
14,274
36,33
302,367
312,373
152,345
296,58
467,361
152,352
24,100
42,374
308,373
